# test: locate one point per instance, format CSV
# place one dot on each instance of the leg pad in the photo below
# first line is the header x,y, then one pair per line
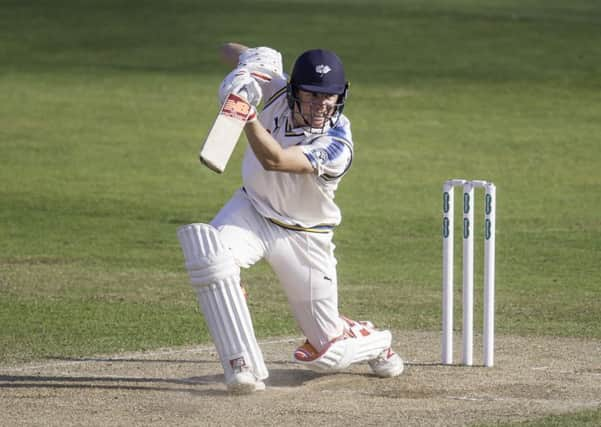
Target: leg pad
x,y
360,343
216,279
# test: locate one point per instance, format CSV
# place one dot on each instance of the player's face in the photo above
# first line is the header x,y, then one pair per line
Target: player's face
x,y
315,108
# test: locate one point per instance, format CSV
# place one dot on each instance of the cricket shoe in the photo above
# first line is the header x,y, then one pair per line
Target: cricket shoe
x,y
387,365
244,382
306,353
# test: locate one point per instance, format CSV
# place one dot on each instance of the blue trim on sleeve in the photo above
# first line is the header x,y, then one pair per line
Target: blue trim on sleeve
x,y
334,150
338,132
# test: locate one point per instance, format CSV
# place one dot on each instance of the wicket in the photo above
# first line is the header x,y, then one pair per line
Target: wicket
x,y
468,270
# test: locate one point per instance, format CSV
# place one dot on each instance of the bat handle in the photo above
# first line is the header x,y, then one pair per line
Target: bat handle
x,y
243,93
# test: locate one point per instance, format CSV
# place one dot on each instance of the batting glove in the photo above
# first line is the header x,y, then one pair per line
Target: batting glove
x,y
263,60
241,82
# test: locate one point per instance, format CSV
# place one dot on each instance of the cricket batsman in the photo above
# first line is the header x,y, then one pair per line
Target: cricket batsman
x,y
300,148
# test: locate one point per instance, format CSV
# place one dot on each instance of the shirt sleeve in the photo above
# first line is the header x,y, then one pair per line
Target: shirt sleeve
x,y
330,156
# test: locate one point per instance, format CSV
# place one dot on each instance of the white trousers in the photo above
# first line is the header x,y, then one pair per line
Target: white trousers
x,y
304,263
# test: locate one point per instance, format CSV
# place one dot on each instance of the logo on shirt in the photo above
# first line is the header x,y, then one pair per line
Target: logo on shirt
x,y
321,155
322,69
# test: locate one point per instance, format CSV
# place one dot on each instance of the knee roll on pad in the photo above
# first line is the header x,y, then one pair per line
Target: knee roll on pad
x,y
216,278
207,260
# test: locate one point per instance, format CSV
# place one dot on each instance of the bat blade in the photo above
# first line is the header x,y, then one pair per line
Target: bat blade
x,y
223,136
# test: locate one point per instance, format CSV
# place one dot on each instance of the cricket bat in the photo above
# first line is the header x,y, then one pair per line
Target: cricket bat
x,y
219,144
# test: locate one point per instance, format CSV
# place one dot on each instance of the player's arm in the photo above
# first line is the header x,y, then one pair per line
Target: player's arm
x,y
271,155
230,53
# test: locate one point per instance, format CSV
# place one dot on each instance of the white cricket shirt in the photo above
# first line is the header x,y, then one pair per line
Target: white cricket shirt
x,y
303,200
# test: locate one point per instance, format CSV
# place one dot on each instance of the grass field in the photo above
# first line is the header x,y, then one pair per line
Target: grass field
x,y
104,104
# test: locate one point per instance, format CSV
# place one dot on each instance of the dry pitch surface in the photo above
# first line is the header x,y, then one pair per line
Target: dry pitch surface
x,y
532,377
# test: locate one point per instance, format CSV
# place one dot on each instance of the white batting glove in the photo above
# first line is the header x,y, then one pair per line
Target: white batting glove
x,y
264,60
241,82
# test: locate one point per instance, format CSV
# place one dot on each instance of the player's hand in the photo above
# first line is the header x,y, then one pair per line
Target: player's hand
x,y
252,116
262,59
241,82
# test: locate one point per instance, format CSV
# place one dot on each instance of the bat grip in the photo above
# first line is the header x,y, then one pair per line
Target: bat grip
x,y
243,93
